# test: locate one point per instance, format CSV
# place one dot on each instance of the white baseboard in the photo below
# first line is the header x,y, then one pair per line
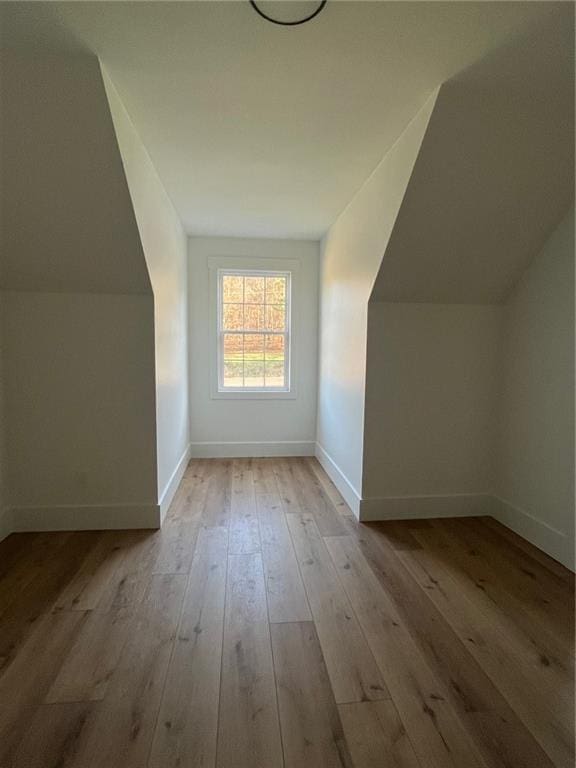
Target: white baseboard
x,y
5,523
550,540
85,518
415,507
172,484
251,449
347,490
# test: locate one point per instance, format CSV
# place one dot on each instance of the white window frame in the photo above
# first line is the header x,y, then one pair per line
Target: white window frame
x,y
289,268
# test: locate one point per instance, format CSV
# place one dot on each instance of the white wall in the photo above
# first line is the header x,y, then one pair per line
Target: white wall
x,y
535,478
352,251
432,376
78,310
470,408
5,521
165,249
78,389
476,211
227,427
66,211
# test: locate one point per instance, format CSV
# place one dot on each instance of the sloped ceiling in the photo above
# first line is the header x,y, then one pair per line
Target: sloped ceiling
x,y
67,222
258,130
494,175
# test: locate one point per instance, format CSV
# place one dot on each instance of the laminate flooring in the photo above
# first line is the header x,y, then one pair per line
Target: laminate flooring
x,y
264,627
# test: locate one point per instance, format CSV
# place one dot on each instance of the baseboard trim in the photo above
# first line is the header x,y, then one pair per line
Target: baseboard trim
x,y
134,516
251,449
550,540
349,493
173,483
85,517
414,507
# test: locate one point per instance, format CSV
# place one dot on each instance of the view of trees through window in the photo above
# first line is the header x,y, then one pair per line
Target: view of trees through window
x,y
253,330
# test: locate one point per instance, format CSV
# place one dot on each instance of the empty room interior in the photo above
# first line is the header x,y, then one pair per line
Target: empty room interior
x,y
287,349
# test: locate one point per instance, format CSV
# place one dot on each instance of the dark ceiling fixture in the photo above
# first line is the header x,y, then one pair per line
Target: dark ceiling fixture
x,y
288,23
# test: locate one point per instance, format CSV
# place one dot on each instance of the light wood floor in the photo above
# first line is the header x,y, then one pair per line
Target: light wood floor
x,y
264,627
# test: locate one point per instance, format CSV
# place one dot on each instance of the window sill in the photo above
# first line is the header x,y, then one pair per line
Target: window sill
x,y
252,395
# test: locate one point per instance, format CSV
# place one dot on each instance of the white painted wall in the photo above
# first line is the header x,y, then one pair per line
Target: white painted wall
x,y
535,478
66,211
78,310
77,394
5,521
253,427
432,376
470,408
165,249
352,251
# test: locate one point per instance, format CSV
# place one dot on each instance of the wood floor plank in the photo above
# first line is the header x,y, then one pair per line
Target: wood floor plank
x,y
313,499
186,731
129,582
249,731
330,489
177,546
33,561
311,729
85,590
188,501
353,671
542,699
398,535
555,582
543,595
182,523
285,592
532,646
120,733
244,530
41,592
434,729
217,504
27,679
471,692
513,539
549,649
286,482
53,736
13,549
418,644
86,672
264,477
376,736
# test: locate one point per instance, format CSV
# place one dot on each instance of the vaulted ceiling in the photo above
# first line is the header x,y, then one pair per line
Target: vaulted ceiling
x,y
493,177
258,130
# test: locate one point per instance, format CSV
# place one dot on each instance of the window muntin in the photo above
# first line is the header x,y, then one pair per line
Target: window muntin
x,y
253,331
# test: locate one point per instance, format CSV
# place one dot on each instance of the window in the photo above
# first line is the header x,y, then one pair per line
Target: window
x,y
253,331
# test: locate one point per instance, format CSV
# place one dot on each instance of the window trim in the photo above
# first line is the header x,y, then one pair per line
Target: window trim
x,y
243,263
286,333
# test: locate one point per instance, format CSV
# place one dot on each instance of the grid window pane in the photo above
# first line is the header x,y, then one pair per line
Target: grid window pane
x,y
254,339
233,289
275,290
233,374
275,317
254,373
232,317
274,373
254,317
233,346
253,346
274,346
254,290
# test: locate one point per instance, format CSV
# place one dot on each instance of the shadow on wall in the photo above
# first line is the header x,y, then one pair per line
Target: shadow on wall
x,y
78,310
